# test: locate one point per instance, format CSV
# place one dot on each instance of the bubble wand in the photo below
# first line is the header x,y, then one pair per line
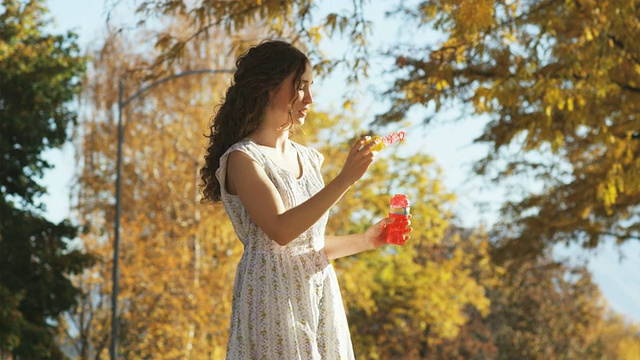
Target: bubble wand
x,y
387,140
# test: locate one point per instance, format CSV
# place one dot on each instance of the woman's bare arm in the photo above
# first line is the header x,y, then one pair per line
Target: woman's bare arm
x,y
262,201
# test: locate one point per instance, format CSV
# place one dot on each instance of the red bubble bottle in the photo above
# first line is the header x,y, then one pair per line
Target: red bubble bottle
x,y
399,209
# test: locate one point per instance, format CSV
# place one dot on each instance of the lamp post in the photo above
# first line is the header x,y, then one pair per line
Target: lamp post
x,y
122,103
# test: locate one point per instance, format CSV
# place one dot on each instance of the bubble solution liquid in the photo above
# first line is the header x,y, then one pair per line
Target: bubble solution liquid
x,y
399,209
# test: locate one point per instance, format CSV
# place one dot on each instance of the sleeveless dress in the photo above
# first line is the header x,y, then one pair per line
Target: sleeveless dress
x,y
286,299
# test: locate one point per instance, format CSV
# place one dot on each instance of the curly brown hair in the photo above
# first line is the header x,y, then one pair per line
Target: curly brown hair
x,y
260,71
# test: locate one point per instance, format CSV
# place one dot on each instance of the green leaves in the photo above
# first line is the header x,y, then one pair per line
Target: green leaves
x,y
38,78
40,75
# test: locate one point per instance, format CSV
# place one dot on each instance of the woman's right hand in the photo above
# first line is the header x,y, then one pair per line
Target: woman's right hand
x,y
359,160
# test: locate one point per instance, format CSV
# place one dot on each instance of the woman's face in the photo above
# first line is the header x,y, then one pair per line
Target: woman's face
x,y
288,100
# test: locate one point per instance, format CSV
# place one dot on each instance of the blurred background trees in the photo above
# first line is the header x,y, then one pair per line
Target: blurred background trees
x,y
39,76
560,84
555,81
175,282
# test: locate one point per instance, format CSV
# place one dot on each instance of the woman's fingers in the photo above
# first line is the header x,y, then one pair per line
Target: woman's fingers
x,y
368,145
360,144
359,159
384,222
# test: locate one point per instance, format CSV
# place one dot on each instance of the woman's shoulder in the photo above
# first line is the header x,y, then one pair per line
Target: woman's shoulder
x,y
247,147
242,145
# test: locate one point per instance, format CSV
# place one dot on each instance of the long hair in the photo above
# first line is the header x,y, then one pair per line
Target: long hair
x,y
260,71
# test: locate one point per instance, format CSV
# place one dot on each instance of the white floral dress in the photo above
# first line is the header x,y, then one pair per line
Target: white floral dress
x,y
286,299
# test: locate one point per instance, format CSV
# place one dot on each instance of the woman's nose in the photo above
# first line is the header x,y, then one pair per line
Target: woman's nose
x,y
308,98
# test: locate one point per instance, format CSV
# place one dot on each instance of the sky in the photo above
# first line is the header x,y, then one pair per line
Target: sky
x,y
616,269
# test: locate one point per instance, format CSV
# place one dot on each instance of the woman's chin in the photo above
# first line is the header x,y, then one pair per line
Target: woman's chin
x,y
299,121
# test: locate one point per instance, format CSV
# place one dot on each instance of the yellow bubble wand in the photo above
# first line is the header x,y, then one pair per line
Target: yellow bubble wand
x,y
387,140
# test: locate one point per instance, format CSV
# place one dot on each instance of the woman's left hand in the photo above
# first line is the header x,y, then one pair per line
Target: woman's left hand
x,y
376,234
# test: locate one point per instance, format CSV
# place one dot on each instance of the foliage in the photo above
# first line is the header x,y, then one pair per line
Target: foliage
x,y
176,257
546,310
404,302
619,339
175,299
543,310
39,74
38,79
439,294
294,20
400,299
560,82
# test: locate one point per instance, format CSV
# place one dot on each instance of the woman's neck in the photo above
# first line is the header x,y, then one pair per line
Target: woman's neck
x,y
273,138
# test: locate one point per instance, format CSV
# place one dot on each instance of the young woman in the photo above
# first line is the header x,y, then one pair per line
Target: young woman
x,y
286,299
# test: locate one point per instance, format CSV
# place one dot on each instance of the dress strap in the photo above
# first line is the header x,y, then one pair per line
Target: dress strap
x,y
247,147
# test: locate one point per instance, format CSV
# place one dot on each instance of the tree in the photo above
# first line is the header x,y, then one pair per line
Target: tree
x,y
619,339
38,78
292,19
404,301
378,290
166,232
548,310
559,82
177,257
543,309
401,299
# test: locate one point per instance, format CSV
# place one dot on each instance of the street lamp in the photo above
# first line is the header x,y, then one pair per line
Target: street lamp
x,y
122,103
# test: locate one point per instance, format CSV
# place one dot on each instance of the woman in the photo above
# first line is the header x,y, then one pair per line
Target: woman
x,y
286,299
